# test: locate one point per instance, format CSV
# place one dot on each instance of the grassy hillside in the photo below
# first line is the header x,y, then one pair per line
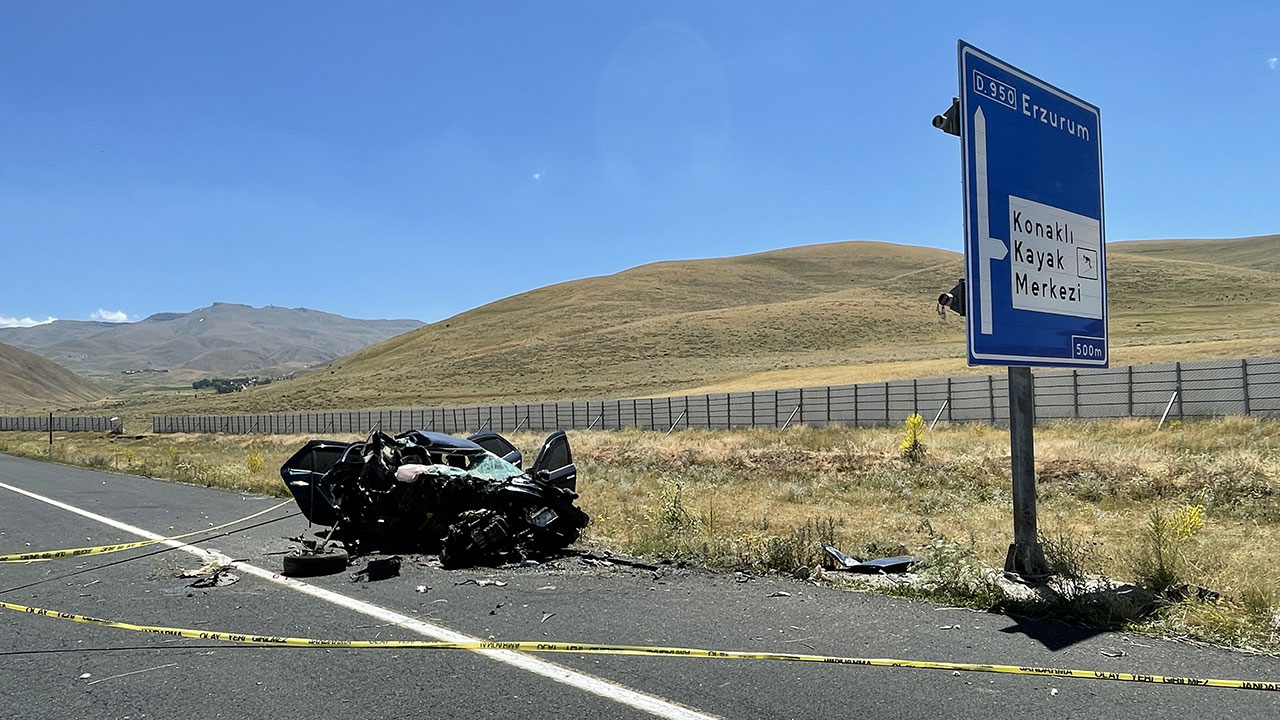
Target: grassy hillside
x,y
29,381
821,314
1254,253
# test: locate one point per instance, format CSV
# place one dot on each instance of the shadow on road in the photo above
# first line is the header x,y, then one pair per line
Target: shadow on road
x,y
1053,635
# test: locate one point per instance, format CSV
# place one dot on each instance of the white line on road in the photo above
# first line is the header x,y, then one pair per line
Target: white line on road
x,y
596,686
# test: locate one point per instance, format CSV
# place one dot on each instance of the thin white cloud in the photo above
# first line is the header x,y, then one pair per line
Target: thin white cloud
x,y
1273,62
537,175
116,316
8,322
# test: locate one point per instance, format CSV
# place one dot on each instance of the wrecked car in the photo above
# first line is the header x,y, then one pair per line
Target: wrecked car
x,y
467,499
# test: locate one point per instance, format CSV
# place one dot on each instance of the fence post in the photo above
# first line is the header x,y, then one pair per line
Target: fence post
x,y
801,406
948,399
775,408
1177,370
708,397
1244,384
886,404
753,408
855,404
1075,395
1130,391
50,433
915,397
991,398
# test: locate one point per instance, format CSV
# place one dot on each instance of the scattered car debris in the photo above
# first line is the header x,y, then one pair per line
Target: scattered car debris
x,y
780,593
1112,653
208,568
211,574
896,564
421,589
547,616
378,569
840,557
482,582
218,578
467,499
1199,592
608,559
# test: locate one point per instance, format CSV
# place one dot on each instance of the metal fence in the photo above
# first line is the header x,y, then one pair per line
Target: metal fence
x,y
1185,390
61,424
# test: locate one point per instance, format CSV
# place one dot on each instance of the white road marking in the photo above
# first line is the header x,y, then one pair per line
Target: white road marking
x,y
596,686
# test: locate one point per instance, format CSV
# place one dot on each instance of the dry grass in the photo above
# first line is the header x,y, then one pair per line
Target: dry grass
x,y
248,463
766,499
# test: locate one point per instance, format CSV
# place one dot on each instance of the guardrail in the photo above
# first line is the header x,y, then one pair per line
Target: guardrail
x,y
1180,390
61,423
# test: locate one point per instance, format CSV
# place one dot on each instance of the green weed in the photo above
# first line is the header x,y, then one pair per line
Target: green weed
x,y
1164,557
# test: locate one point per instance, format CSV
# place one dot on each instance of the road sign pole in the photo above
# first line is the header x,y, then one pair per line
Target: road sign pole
x,y
1025,556
1035,255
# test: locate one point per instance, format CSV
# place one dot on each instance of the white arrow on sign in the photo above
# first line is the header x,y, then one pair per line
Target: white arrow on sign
x,y
989,248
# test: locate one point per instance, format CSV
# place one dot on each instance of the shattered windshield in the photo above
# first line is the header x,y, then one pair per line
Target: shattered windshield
x,y
495,468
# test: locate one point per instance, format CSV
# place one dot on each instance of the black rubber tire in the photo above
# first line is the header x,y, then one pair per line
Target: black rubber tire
x,y
329,562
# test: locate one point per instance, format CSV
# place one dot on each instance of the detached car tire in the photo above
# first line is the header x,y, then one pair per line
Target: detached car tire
x,y
329,562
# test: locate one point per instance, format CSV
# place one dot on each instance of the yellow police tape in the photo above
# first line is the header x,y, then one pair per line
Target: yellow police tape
x,y
595,649
41,555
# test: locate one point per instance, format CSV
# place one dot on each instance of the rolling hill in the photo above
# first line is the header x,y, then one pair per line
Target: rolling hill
x,y
28,381
221,340
819,314
1252,253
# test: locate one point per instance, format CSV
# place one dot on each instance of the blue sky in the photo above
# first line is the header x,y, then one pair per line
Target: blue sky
x,y
419,159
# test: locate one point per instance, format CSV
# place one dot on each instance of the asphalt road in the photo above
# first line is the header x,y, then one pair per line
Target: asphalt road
x,y
51,668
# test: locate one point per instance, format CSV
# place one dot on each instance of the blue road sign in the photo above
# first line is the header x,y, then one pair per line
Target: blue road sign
x,y
1035,257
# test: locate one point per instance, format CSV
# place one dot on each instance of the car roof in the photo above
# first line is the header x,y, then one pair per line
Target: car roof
x,y
439,441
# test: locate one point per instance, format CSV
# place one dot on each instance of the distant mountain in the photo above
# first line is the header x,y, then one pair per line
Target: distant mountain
x,y
223,339
28,380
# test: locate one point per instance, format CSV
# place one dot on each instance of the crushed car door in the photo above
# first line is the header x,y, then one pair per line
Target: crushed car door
x,y
498,445
556,458
302,472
